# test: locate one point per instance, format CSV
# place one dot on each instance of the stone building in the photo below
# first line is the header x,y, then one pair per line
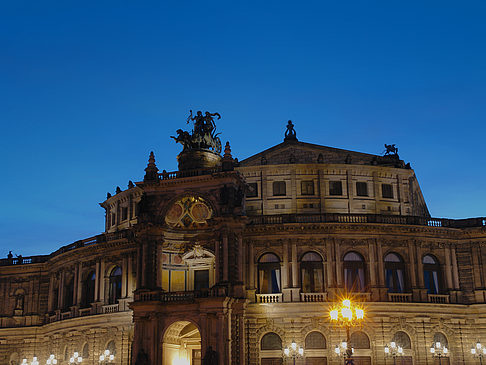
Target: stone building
x,y
232,261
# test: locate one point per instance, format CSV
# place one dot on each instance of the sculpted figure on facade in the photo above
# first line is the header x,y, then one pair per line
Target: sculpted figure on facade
x,y
203,135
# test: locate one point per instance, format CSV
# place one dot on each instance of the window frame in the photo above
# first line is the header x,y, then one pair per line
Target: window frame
x,y
332,191
306,190
277,187
363,185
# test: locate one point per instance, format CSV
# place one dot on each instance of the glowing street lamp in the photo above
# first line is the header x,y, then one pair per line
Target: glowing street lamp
x,y
393,351
107,357
33,362
76,359
479,351
347,315
293,351
51,360
439,350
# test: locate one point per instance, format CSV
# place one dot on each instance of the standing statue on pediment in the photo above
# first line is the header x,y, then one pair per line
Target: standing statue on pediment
x,y
290,134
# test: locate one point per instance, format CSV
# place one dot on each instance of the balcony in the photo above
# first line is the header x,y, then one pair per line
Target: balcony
x,y
110,308
438,298
85,312
400,297
269,298
313,297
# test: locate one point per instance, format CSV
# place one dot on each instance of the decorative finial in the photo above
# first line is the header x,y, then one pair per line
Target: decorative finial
x,y
290,134
151,170
108,195
118,190
130,184
227,151
228,164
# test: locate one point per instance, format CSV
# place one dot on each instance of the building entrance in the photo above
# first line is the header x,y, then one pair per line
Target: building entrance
x,y
181,344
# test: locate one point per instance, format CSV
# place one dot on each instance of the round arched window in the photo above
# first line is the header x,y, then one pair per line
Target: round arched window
x,y
354,272
395,273
269,274
432,274
312,277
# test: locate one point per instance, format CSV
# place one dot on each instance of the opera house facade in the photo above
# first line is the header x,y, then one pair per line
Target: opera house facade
x,y
240,262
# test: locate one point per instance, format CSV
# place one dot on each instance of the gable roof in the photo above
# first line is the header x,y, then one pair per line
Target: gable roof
x,y
295,152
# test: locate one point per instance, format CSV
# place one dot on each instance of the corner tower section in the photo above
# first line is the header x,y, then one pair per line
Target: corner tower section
x,y
189,301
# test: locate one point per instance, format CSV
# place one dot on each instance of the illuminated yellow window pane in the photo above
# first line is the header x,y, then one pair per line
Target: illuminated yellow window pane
x,y
165,280
177,280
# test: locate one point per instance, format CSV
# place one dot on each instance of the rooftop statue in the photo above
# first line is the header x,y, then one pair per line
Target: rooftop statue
x,y
390,150
203,135
290,134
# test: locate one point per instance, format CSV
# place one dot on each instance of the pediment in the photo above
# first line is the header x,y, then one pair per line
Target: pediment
x,y
305,153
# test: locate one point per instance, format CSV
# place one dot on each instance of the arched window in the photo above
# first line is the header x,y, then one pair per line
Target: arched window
x,y
359,340
66,353
354,272
111,347
271,341
115,285
395,273
85,353
312,273
88,289
68,294
432,277
269,274
315,340
440,337
402,340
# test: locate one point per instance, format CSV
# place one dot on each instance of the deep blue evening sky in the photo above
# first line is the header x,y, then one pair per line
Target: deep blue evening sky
x,y
89,88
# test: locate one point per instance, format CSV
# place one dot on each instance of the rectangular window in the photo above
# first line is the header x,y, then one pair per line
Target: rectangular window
x,y
361,188
124,213
387,191
201,279
307,187
279,188
252,191
335,188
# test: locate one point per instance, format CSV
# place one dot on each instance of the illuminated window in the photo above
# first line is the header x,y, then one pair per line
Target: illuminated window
x,y
312,273
88,290
395,273
271,341
115,285
354,272
269,274
432,277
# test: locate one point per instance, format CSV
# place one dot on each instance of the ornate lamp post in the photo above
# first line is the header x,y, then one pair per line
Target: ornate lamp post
x,y
439,350
33,362
107,357
293,351
51,360
76,358
341,350
393,351
479,351
347,315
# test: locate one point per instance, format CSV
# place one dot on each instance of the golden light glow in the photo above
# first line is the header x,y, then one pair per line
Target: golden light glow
x,y
347,312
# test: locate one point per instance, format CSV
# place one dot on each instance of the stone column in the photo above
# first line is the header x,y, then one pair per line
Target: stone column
x,y
50,299
251,265
60,294
102,282
124,278
322,190
372,267
330,265
217,255
225,256
455,270
287,294
241,256
411,266
448,267
264,184
349,184
339,265
295,274
97,282
129,277
293,191
79,283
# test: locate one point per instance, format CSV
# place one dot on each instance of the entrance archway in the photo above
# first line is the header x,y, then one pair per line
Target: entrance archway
x,y
182,344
